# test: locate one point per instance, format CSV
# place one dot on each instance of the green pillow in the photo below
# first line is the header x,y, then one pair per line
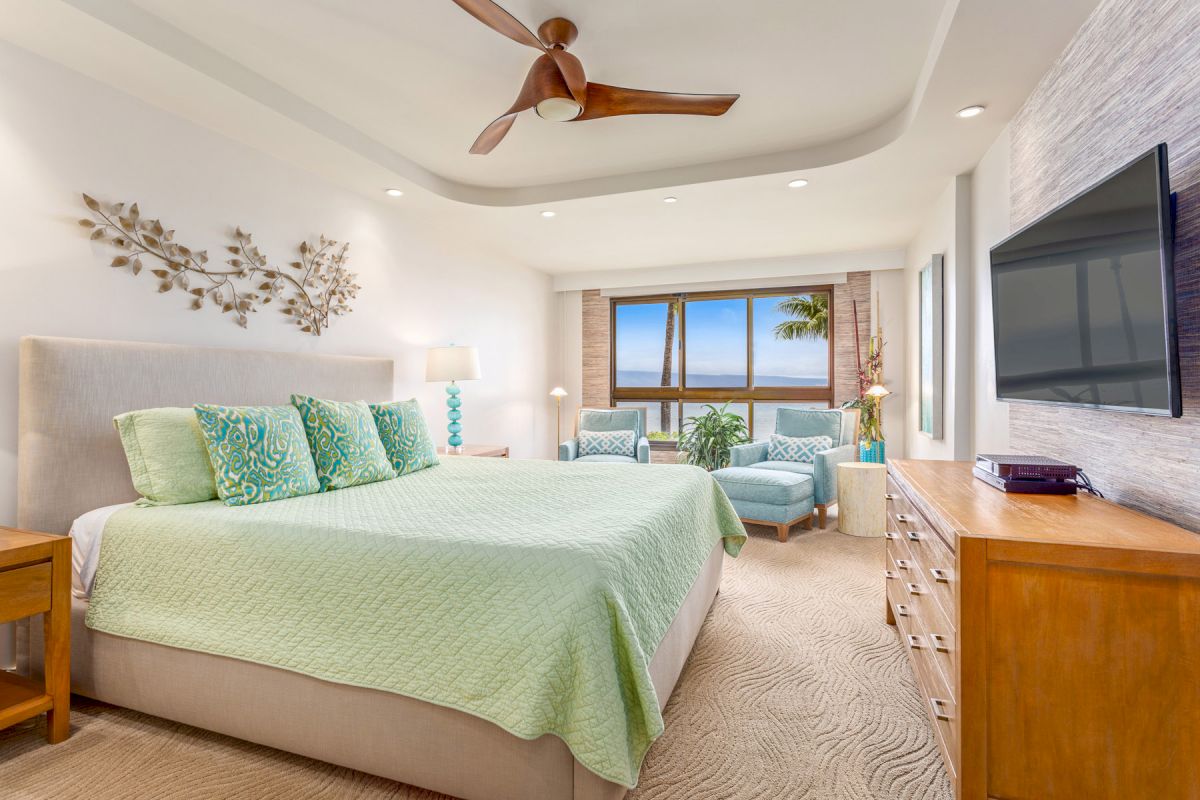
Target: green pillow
x,y
167,457
344,442
405,436
258,453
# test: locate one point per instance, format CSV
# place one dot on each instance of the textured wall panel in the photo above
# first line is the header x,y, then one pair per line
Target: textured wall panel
x,y
1128,80
857,288
596,345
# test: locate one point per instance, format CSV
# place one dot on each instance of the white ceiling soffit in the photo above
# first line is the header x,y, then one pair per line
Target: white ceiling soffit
x,y
795,88
763,272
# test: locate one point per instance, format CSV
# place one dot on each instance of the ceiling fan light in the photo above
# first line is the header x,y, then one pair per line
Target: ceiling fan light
x,y
559,109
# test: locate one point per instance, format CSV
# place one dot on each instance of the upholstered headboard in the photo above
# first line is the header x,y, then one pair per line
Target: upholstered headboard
x,y
69,458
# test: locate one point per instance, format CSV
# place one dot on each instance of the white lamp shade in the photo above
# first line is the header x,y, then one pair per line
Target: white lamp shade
x,y
452,364
558,391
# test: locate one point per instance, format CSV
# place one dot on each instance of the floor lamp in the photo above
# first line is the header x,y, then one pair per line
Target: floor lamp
x,y
558,393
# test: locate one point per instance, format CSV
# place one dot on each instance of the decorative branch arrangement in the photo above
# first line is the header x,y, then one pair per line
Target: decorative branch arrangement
x,y
309,291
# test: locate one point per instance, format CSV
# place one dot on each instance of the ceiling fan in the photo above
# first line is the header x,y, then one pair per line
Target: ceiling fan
x,y
557,89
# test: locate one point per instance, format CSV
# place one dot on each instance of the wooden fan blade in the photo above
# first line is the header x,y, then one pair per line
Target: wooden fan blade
x,y
531,91
492,134
572,72
501,21
614,101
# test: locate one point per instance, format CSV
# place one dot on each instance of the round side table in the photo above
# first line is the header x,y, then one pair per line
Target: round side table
x,y
860,498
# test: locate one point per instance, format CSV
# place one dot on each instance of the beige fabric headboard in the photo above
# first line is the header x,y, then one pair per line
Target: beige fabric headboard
x,y
69,458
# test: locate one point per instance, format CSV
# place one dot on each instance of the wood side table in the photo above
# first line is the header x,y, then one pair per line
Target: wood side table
x,y
861,493
35,578
478,450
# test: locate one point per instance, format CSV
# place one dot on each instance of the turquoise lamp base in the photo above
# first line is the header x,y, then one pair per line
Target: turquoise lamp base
x,y
871,452
453,402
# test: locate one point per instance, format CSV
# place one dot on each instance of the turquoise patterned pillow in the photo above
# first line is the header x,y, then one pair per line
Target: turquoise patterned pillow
x,y
797,448
608,443
259,453
405,436
344,442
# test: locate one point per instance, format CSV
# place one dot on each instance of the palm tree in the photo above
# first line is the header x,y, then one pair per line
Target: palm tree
x,y
811,314
668,352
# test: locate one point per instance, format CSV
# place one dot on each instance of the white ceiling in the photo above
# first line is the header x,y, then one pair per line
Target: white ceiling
x,y
857,97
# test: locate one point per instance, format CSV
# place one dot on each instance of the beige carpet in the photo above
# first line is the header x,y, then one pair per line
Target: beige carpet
x,y
796,689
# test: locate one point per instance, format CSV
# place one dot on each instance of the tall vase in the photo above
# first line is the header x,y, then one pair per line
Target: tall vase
x,y
454,442
871,452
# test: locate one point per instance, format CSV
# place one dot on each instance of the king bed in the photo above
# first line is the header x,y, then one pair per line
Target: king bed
x,y
483,628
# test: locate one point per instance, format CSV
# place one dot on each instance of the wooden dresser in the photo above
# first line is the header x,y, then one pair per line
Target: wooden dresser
x,y
1056,640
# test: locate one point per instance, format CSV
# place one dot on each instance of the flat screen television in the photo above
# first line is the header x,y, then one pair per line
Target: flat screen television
x,y
1083,299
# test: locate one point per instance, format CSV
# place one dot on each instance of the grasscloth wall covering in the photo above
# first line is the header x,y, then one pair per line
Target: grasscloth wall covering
x,y
596,345
1128,80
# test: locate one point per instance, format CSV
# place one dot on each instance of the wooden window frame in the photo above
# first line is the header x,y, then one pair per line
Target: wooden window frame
x,y
748,393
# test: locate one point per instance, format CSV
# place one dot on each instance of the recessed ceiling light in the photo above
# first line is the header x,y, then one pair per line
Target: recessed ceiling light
x,y
394,193
670,199
548,214
798,183
969,111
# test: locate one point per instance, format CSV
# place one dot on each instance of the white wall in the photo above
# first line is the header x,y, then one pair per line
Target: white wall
x,y
570,365
889,286
423,282
946,231
989,224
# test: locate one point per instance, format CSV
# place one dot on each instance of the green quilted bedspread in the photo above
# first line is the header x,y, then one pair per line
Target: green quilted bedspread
x,y
529,593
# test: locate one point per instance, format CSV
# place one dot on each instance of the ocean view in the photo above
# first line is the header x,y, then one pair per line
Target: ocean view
x,y
630,377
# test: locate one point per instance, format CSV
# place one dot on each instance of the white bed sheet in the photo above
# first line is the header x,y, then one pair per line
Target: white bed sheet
x,y
87,531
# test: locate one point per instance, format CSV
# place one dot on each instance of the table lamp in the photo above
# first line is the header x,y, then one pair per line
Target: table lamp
x,y
558,393
452,364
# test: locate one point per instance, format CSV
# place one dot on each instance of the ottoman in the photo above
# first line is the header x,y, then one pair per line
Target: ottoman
x,y
769,497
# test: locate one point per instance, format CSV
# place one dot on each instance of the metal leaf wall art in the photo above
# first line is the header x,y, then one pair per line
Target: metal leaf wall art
x,y
308,291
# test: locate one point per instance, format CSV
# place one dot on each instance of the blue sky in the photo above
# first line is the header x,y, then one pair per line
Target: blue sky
x,y
716,340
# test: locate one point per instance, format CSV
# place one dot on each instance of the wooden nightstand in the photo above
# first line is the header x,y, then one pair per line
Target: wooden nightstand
x,y
479,450
35,578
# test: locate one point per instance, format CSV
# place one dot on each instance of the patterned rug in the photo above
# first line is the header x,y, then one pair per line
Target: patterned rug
x,y
796,689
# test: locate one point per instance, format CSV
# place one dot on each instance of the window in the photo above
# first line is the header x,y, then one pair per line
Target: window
x,y
757,350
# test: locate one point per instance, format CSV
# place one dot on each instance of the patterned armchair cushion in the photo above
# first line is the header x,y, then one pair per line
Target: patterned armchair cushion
x,y
167,457
608,443
344,441
803,449
258,453
801,422
405,436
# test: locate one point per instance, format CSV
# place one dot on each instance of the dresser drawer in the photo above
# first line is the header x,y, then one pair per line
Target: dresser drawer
x,y
939,639
897,503
24,591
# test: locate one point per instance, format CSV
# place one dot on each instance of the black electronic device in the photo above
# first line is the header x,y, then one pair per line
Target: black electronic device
x,y
1026,474
1083,299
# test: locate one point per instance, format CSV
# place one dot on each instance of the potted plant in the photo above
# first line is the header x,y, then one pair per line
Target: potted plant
x,y
706,439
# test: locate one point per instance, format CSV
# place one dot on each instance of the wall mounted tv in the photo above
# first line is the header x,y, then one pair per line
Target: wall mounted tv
x,y
1083,299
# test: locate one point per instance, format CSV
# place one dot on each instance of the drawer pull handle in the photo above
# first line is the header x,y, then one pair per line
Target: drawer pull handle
x,y
941,708
903,563
939,643
915,588
939,575
901,610
914,642
914,536
889,574
903,518
890,496
893,535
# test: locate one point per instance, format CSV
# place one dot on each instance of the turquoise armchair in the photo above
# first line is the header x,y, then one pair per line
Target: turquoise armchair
x,y
608,419
840,426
